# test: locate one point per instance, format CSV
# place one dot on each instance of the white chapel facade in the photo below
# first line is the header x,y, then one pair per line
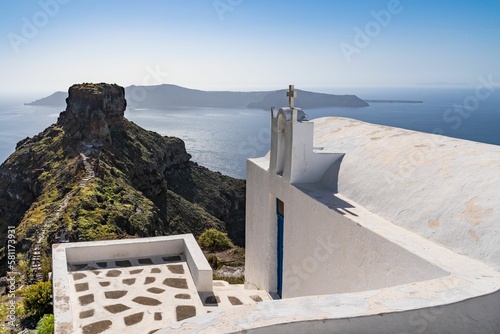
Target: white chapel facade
x,y
340,208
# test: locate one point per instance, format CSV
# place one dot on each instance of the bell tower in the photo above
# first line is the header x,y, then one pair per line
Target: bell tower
x,y
292,154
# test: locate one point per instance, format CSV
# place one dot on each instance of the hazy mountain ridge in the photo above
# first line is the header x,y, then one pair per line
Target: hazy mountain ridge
x,y
57,99
308,100
177,96
164,96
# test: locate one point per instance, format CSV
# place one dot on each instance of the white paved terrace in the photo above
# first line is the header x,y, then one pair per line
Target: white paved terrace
x,y
110,293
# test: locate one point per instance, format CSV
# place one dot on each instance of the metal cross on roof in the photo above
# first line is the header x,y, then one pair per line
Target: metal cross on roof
x,y
292,94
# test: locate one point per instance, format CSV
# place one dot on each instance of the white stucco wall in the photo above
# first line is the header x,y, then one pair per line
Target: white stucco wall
x,y
327,252
260,230
324,251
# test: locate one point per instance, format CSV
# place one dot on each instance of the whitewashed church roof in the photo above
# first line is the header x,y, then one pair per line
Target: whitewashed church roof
x,y
445,189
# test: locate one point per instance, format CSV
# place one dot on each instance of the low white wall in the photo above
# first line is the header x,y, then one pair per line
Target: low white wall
x,y
475,315
198,264
63,322
123,249
337,315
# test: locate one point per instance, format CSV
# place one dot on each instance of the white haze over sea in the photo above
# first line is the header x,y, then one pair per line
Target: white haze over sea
x,y
223,138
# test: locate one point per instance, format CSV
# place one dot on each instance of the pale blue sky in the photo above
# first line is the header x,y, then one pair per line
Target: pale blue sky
x,y
48,45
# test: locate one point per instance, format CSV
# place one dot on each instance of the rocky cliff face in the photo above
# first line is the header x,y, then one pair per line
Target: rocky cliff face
x,y
96,175
93,110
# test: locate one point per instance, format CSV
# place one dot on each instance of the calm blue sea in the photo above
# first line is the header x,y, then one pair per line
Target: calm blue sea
x,y
223,138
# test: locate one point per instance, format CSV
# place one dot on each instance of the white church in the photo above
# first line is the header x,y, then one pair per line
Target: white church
x,y
350,228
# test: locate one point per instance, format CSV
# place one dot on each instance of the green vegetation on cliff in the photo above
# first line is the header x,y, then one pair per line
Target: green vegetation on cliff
x,y
95,175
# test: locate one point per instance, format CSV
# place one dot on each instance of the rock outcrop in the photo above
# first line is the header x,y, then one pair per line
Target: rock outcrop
x,y
93,110
96,175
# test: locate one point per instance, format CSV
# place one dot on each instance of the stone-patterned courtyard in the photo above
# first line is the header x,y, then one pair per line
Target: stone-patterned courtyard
x,y
142,295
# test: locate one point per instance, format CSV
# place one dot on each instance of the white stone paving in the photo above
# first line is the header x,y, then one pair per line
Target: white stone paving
x,y
143,295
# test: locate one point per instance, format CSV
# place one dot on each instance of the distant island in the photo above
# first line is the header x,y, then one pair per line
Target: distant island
x,y
394,101
165,96
58,99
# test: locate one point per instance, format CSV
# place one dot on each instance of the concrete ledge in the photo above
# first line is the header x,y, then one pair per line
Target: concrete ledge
x,y
307,315
198,264
121,249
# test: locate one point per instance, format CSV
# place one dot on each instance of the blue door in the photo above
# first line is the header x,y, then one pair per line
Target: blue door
x,y
281,221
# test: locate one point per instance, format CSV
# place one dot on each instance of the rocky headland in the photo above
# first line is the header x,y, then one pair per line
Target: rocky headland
x,y
95,175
